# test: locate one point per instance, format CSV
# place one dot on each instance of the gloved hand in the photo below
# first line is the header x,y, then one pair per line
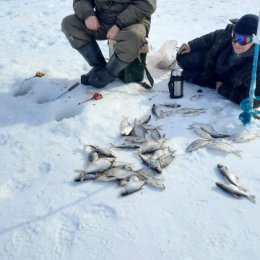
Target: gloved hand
x,y
185,48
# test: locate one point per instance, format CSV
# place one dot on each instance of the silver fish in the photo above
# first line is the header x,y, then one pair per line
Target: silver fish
x,y
126,127
230,176
153,164
93,156
244,137
100,165
131,187
143,120
235,191
197,144
223,147
206,127
84,176
191,111
171,105
123,182
151,127
166,113
126,146
165,160
152,132
154,135
138,131
216,134
209,130
152,146
155,111
118,173
113,174
122,165
161,152
201,132
134,139
102,151
104,178
159,113
149,178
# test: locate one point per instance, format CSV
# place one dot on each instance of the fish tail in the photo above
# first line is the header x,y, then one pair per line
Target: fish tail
x,y
237,153
252,198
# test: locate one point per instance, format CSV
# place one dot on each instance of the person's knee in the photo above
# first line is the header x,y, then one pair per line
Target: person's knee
x,y
128,47
66,24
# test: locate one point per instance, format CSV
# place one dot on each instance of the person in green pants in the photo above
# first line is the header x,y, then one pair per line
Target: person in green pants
x,y
127,22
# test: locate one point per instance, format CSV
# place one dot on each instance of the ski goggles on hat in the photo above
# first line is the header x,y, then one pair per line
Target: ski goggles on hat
x,y
241,39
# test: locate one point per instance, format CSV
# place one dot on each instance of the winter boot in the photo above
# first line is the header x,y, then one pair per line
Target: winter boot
x,y
101,78
93,55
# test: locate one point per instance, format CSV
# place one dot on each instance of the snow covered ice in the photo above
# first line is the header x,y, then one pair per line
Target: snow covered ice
x,y
46,216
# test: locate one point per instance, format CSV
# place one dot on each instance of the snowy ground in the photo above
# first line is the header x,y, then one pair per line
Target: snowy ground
x,y
46,216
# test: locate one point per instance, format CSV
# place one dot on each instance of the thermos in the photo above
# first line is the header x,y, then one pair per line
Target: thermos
x,y
176,83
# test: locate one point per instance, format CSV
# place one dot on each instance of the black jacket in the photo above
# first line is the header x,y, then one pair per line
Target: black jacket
x,y
237,88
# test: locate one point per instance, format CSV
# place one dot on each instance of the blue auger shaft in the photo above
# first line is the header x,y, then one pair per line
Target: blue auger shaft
x,y
255,62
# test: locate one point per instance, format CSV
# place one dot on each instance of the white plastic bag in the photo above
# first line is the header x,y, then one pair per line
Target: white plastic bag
x,y
165,57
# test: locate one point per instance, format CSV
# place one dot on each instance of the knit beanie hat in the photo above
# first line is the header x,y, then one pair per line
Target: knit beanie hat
x,y
247,25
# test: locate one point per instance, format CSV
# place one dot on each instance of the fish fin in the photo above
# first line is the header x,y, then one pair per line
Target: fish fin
x,y
237,153
252,198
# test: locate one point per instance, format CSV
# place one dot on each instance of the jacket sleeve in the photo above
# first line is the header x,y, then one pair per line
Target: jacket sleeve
x,y
136,12
83,8
204,42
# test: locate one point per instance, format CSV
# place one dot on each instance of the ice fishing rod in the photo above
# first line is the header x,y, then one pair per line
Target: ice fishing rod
x,y
71,88
95,96
247,105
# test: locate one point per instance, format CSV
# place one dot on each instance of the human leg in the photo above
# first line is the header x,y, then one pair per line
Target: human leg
x,y
192,64
129,42
83,40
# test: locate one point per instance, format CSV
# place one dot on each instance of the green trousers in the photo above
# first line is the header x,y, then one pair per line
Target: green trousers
x,y
129,40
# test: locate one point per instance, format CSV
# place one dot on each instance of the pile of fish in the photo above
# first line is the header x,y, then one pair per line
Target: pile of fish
x,y
102,164
158,110
212,139
232,186
103,167
149,141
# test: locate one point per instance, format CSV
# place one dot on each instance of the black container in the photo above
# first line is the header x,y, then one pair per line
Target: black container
x,y
176,83
134,72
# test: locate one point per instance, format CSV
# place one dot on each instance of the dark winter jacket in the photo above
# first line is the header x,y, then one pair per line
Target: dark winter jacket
x,y
120,12
236,88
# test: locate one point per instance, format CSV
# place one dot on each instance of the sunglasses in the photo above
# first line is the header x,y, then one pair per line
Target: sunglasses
x,y
241,39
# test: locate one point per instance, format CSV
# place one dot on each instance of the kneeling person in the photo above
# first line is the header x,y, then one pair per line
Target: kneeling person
x,y
223,59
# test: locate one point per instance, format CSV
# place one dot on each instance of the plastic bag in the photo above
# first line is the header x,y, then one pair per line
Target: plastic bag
x,y
165,57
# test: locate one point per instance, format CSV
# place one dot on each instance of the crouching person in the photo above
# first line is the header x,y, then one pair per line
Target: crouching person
x,y
223,59
126,22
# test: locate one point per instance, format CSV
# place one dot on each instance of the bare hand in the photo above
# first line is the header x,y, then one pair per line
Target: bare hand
x,y
92,23
112,32
185,48
218,84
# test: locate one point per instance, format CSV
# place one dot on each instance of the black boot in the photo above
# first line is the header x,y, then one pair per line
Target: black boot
x,y
101,78
93,55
